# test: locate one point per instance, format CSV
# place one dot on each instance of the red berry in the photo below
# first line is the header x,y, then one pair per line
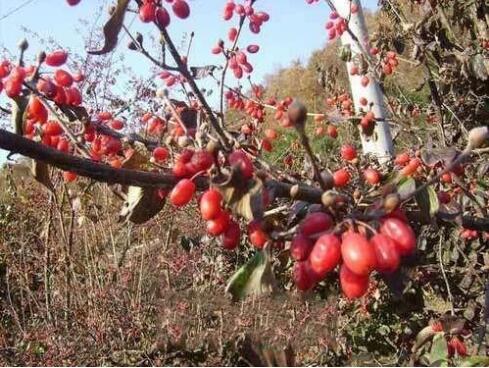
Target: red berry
x,y
315,222
230,238
116,124
388,257
353,285
147,12
303,278
341,177
162,17
300,247
348,152
181,9
371,176
241,160
73,2
253,49
325,255
13,87
358,254
210,204
63,78
257,236
401,233
160,154
52,128
202,160
69,176
182,193
219,225
56,58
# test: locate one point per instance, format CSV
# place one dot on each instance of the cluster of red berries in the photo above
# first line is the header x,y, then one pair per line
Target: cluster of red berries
x,y
342,102
154,125
153,11
246,10
389,63
318,251
336,25
170,78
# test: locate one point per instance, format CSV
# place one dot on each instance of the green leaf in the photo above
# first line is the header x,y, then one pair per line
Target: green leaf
x,y
253,278
439,350
112,28
141,204
423,337
405,187
428,202
475,361
243,198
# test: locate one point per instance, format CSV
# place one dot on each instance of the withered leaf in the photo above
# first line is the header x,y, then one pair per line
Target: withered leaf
x,y
112,28
40,171
141,204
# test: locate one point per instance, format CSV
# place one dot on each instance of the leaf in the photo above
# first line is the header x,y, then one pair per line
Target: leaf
x,y
253,278
112,28
431,157
439,350
428,202
138,157
475,361
405,187
479,67
423,337
40,171
245,199
141,204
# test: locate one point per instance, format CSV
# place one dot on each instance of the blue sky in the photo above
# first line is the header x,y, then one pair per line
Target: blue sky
x,y
295,29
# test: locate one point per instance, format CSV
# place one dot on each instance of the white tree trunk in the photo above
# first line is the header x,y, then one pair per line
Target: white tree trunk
x,y
380,142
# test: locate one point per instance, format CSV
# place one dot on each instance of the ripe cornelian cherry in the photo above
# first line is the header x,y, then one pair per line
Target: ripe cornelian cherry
x,y
13,87
314,223
402,159
371,176
300,247
181,9
241,160
52,128
202,160
69,176
160,154
332,131
182,193
73,2
147,12
56,58
63,78
388,257
210,204
302,275
348,152
257,236
341,177
358,254
401,233
36,108
219,225
230,238
353,285
162,17
116,124
325,255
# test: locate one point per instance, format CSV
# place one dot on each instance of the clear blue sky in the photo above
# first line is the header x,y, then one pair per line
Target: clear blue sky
x,y
295,29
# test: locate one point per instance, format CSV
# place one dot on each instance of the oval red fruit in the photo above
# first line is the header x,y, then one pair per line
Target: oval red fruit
x,y
181,9
315,222
303,279
358,254
300,247
219,225
325,255
210,204
352,285
182,193
388,257
56,58
401,233
230,238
